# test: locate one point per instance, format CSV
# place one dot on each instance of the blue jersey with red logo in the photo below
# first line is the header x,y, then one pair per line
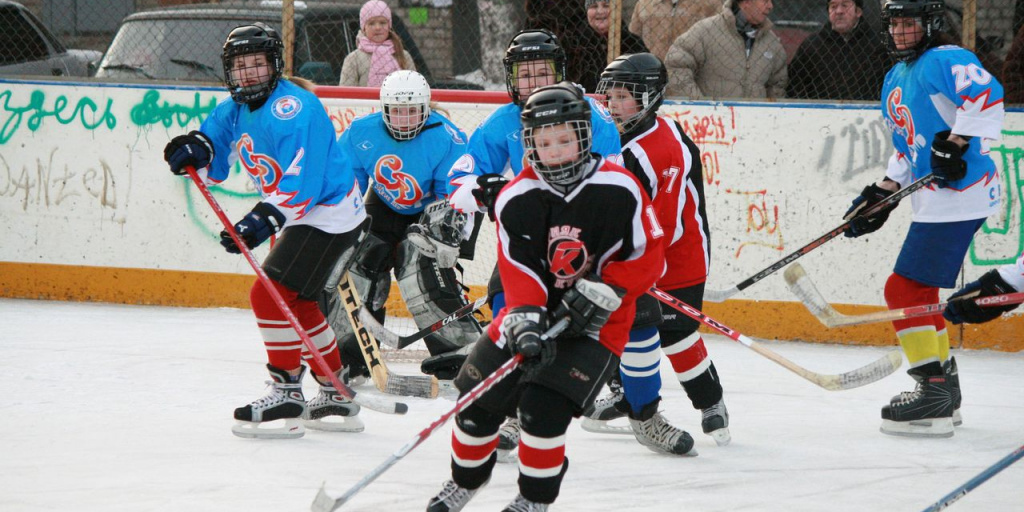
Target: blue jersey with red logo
x,y
288,148
945,89
410,174
496,144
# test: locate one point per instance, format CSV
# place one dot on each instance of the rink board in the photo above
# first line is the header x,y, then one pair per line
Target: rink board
x,y
89,211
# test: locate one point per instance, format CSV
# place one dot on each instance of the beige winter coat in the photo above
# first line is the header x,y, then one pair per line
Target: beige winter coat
x,y
355,71
710,61
659,23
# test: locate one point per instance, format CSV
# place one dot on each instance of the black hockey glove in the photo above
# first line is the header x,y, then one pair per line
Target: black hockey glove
x,y
255,228
962,309
948,163
524,329
489,186
194,149
589,304
864,224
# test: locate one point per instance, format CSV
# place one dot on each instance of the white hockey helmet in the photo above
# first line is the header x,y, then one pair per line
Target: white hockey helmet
x,y
405,103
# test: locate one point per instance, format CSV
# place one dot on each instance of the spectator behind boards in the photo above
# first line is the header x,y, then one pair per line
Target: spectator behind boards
x,y
380,49
845,60
733,54
1013,70
659,22
589,55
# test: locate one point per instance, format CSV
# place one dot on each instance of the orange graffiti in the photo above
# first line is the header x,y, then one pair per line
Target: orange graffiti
x,y
761,219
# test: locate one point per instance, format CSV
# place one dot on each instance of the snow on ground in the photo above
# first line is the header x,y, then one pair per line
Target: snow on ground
x,y
128,408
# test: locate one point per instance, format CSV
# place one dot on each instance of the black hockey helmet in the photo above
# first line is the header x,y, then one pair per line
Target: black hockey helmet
x,y
645,77
930,13
559,104
527,45
248,39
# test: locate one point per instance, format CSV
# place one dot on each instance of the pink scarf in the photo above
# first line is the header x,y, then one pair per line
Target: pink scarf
x,y
382,59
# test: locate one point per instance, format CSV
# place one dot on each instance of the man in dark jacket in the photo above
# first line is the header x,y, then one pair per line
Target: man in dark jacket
x,y
844,61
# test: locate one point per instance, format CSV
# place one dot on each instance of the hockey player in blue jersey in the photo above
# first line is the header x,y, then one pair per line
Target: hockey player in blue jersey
x,y
402,154
534,59
280,136
943,109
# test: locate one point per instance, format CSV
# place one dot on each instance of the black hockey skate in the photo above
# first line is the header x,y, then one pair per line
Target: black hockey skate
x,y
652,430
329,410
284,402
953,378
508,441
452,498
715,423
599,416
925,412
521,504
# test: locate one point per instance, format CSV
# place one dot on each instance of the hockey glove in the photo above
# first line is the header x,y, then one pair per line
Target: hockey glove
x,y
487,193
962,309
948,163
589,304
440,240
863,224
257,226
194,149
524,329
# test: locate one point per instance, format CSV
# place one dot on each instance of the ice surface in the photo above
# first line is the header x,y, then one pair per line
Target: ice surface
x,y
128,408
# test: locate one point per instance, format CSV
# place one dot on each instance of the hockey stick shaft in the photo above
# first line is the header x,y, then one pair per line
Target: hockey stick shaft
x,y
979,479
392,340
325,503
803,288
849,380
722,295
373,404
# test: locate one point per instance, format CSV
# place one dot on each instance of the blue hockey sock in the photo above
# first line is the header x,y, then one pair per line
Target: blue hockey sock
x,y
641,378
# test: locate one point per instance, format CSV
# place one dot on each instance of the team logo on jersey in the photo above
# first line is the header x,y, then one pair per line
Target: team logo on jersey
x,y
456,136
286,107
401,187
266,172
899,119
602,112
568,258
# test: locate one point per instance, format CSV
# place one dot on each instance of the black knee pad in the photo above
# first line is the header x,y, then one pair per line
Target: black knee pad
x,y
544,412
304,257
675,325
648,312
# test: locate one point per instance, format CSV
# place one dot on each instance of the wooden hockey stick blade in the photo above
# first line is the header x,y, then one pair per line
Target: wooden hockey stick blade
x,y
423,386
722,295
801,286
372,403
324,502
392,340
847,380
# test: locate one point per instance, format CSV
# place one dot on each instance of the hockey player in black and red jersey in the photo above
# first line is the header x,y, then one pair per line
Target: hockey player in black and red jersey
x,y
577,236
667,163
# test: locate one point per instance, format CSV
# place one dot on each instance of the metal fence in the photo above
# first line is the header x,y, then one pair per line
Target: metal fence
x,y
460,43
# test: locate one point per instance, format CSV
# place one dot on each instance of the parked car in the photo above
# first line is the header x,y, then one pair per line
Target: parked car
x,y
184,42
28,48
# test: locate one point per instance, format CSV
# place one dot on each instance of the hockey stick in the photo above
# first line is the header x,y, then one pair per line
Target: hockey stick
x,y
325,503
978,479
424,386
848,380
372,403
801,285
721,295
392,340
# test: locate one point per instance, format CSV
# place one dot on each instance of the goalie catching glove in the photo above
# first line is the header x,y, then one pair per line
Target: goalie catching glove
x,y
589,304
963,309
524,329
255,228
863,224
439,239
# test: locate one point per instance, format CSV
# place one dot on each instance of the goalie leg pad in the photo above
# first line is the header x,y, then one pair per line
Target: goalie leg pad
x,y
432,293
304,258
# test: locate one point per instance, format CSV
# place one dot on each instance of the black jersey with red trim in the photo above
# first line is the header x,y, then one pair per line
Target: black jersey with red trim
x,y
548,240
667,163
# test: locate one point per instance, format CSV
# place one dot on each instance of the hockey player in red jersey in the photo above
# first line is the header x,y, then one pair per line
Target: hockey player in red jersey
x,y
667,163
577,235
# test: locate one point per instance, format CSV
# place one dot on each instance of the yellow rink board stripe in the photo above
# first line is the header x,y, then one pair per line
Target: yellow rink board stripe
x,y
760,319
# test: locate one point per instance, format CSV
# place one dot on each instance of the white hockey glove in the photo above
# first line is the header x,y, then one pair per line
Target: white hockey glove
x,y
440,239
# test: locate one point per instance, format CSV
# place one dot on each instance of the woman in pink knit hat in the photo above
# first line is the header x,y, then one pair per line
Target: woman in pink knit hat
x,y
380,49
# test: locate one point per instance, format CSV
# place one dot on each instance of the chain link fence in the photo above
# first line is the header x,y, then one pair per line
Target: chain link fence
x,y
460,43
